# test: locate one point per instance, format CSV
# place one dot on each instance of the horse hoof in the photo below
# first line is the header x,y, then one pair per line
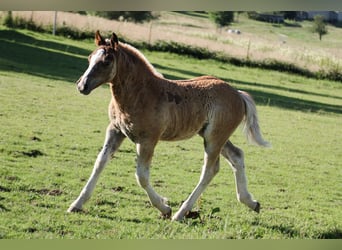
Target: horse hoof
x,y
192,215
74,210
177,219
167,215
257,207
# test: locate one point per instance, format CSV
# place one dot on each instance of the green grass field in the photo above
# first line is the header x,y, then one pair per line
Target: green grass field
x,y
50,136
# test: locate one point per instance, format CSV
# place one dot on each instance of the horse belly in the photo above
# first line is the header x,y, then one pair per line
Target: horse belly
x,y
182,125
178,135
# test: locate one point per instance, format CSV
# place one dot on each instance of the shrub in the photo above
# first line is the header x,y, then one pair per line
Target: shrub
x,y
74,33
134,16
182,49
222,18
8,20
21,23
319,26
334,74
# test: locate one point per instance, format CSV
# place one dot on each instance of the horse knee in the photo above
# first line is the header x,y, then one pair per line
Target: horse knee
x,y
237,156
234,155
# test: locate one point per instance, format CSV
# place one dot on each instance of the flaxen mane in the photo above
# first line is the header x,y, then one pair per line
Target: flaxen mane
x,y
132,54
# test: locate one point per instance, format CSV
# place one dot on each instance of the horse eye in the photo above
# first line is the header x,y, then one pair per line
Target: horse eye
x,y
106,62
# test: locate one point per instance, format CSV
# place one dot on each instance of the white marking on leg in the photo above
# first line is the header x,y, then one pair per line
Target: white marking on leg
x,y
209,170
112,142
235,159
143,174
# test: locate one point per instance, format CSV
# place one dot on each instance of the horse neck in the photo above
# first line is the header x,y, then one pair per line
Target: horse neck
x,y
133,75
133,65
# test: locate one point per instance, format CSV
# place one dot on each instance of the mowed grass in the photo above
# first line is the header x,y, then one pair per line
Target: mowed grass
x,y
50,136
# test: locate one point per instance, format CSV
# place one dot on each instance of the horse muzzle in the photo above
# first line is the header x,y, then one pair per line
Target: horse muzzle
x,y
83,86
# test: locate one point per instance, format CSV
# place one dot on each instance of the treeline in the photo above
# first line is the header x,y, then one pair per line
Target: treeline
x,y
131,16
220,18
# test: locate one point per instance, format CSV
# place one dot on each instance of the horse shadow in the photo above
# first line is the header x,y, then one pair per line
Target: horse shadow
x,y
27,54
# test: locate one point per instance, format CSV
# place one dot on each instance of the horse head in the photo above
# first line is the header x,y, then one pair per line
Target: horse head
x,y
102,64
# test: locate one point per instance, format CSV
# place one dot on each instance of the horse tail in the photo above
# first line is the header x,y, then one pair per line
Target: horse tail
x,y
250,123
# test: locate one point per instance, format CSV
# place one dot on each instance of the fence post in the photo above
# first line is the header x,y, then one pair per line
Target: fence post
x,y
54,24
248,49
150,34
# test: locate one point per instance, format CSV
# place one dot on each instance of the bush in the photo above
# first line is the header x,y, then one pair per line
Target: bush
x,y
182,49
334,74
8,20
253,15
21,23
319,26
74,33
134,16
65,31
222,18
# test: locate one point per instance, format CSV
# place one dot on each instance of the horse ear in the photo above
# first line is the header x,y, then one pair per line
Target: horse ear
x,y
114,41
99,39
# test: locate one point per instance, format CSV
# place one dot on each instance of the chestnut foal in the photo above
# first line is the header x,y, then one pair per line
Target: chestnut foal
x,y
146,108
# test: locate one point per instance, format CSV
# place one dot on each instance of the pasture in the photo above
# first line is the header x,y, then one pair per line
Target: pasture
x,y
50,136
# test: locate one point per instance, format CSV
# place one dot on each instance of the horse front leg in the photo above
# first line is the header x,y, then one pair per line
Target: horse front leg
x,y
144,158
113,140
209,170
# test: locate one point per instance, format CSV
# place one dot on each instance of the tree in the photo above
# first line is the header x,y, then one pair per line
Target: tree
x,y
319,26
222,18
135,16
8,21
291,15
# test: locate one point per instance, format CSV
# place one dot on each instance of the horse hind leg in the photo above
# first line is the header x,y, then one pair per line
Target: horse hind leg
x,y
235,158
112,142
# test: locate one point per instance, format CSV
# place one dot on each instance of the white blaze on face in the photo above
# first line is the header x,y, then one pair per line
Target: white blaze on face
x,y
93,60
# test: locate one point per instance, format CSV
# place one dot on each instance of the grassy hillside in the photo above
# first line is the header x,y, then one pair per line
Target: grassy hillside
x,y
50,136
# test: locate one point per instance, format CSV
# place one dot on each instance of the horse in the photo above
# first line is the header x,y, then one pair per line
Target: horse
x,y
146,107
